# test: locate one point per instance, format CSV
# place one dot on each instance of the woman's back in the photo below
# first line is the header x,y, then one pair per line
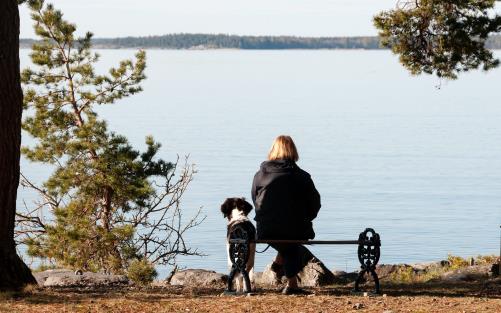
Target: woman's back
x,y
286,201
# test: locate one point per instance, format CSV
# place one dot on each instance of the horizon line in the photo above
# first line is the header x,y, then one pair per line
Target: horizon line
x,y
224,34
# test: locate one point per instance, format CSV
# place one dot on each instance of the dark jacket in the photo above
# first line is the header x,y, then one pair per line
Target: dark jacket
x,y
286,201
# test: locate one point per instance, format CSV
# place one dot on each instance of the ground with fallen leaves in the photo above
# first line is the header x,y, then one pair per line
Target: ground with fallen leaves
x,y
429,297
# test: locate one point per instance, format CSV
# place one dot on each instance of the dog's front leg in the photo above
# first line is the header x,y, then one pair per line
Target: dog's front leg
x,y
228,256
239,282
250,266
230,264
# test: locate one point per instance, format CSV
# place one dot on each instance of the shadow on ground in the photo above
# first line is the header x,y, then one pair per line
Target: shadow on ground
x,y
489,288
485,289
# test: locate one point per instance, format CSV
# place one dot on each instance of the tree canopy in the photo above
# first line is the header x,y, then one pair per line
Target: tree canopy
x,y
441,37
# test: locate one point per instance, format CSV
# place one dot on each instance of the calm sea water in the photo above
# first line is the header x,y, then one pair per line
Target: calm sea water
x,y
419,164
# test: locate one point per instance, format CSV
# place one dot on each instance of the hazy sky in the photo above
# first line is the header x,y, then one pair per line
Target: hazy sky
x,y
112,18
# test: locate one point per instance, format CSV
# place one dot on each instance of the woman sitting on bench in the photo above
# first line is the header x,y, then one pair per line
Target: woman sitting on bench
x,y
286,203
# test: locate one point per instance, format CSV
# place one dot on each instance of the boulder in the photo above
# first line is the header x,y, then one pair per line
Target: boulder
x,y
430,266
439,272
67,278
268,278
343,277
198,278
314,273
42,276
470,273
392,271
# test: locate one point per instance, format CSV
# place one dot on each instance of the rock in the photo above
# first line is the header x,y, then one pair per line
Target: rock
x,y
199,278
268,278
387,272
258,276
470,273
427,266
42,276
67,278
344,277
314,273
404,272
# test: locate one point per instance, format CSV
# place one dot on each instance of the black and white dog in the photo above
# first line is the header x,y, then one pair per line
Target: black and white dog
x,y
236,211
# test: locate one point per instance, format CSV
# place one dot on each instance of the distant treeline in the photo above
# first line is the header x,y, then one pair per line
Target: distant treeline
x,y
205,41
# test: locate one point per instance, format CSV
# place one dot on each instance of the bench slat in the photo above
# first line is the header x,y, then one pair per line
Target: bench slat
x,y
312,242
302,242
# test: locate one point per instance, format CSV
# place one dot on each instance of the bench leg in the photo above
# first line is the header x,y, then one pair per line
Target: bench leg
x,y
377,289
359,280
368,255
375,277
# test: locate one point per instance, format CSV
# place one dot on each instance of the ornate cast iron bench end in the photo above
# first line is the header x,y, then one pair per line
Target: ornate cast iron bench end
x,y
369,251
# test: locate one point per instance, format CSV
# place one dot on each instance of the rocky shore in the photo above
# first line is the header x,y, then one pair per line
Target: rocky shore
x,y
452,285
314,274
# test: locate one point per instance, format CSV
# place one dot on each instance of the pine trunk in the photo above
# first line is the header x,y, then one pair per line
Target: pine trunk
x,y
14,273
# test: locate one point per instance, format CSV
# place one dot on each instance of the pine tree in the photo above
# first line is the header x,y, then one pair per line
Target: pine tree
x,y
109,204
441,37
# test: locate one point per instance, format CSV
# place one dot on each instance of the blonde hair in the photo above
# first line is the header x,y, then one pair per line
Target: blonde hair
x,y
283,148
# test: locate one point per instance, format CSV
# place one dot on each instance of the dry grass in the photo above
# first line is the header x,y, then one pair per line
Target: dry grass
x,y
463,297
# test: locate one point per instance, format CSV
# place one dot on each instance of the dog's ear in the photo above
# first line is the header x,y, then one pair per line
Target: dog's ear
x,y
245,206
227,207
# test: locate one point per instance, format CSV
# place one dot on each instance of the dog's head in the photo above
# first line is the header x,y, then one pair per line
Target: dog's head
x,y
235,203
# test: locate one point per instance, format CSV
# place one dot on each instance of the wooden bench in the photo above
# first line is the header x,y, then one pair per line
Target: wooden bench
x,y
368,242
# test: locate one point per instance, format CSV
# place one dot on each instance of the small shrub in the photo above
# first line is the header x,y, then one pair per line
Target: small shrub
x,y
486,259
430,275
457,262
141,272
403,275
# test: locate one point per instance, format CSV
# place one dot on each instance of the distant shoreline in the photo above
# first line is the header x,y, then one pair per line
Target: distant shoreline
x,y
98,47
235,42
